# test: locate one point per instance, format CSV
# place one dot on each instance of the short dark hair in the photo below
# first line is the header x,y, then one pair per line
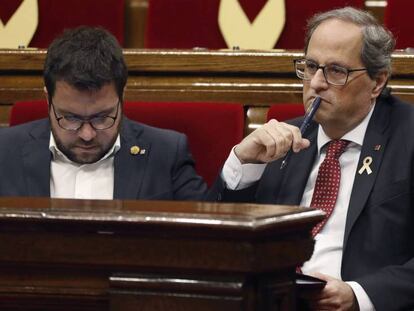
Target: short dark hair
x,y
378,42
86,58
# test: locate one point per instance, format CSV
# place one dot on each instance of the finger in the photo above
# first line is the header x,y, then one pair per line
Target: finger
x,y
299,142
285,137
268,137
267,140
282,136
253,147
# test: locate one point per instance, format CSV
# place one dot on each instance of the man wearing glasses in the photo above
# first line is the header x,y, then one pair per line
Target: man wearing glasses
x,y
87,149
355,162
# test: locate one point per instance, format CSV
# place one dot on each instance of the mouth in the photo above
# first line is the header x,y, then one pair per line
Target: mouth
x,y
87,148
312,99
324,102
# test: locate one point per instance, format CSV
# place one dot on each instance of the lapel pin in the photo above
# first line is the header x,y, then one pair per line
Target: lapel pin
x,y
142,151
134,150
377,147
365,166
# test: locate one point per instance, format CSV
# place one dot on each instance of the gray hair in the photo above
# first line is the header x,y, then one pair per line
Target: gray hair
x,y
378,42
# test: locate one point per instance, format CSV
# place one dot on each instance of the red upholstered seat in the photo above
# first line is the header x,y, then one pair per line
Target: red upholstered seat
x,y
397,17
27,111
55,16
194,23
283,112
212,128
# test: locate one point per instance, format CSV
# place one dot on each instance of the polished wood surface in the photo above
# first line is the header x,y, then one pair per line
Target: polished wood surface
x,y
150,255
135,23
255,79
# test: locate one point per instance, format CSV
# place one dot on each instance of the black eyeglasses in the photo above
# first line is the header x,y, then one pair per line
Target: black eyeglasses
x,y
334,74
73,123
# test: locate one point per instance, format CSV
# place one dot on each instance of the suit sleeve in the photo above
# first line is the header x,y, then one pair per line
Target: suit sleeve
x,y
391,288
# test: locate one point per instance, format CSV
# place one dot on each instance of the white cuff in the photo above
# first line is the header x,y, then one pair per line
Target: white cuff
x,y
239,176
364,302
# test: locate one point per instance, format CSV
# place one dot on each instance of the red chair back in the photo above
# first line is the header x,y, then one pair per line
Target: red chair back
x,y
212,128
55,16
27,111
283,112
194,23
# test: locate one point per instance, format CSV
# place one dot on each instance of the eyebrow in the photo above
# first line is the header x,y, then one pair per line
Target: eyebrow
x,y
335,63
101,113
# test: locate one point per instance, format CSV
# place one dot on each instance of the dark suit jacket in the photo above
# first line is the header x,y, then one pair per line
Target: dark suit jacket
x,y
164,172
378,246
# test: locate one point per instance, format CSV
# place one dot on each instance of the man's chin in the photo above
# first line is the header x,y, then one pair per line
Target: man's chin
x,y
85,157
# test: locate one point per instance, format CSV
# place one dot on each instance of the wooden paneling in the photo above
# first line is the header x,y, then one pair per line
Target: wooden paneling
x,y
376,8
135,22
253,78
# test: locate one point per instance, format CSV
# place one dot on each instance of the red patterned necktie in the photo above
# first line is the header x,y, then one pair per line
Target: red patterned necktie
x,y
327,182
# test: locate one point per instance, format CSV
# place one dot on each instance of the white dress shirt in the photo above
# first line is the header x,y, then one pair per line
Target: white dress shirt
x,y
327,255
71,180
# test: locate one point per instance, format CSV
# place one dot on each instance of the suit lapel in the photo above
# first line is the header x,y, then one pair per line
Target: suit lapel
x,y
130,166
36,161
376,135
297,171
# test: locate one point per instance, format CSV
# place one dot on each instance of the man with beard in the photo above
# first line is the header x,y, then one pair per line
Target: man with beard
x,y
355,161
86,148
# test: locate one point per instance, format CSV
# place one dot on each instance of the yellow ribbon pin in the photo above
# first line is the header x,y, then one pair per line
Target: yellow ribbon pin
x,y
365,166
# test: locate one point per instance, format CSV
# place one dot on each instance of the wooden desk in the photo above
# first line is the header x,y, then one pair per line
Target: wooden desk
x,y
150,255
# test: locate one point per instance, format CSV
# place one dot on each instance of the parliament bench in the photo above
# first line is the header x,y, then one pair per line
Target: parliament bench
x,y
254,79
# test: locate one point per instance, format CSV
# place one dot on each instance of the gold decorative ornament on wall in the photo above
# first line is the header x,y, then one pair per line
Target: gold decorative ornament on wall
x,y
21,27
262,33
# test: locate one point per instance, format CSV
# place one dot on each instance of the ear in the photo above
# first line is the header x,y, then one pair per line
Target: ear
x,y
123,92
379,83
46,94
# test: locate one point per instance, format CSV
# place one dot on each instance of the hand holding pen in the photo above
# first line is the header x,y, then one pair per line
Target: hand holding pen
x,y
270,142
306,121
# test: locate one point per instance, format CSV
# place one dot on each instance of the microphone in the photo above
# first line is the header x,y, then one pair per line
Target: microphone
x,y
306,121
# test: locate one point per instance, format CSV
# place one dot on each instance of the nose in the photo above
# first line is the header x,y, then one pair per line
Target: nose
x,y
318,81
86,132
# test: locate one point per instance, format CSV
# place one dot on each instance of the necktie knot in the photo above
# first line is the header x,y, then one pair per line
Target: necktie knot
x,y
336,148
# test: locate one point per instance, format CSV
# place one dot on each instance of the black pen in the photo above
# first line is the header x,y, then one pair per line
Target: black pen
x,y
306,121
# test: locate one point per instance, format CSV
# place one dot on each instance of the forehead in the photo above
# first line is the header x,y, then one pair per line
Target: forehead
x,y
336,41
70,99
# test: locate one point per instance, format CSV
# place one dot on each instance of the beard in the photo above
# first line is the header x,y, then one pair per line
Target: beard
x,y
85,152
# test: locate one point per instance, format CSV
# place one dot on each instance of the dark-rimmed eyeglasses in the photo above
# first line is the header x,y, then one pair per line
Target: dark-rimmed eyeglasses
x,y
74,123
334,74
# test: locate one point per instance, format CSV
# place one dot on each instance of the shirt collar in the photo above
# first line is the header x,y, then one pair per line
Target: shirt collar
x,y
57,154
355,136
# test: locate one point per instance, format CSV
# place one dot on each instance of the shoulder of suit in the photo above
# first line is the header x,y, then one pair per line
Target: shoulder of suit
x,y
22,131
399,105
